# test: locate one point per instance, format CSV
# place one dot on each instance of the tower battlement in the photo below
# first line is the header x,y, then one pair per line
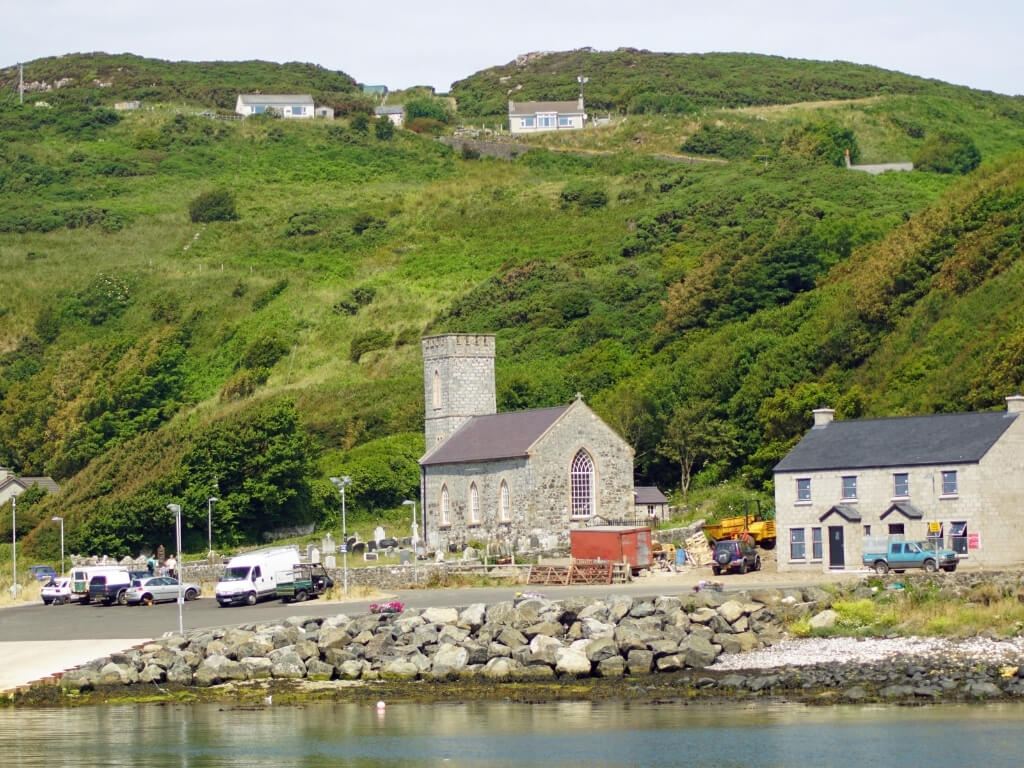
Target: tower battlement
x,y
458,381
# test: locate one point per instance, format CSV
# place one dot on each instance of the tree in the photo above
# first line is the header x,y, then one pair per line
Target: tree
x,y
430,109
948,152
695,435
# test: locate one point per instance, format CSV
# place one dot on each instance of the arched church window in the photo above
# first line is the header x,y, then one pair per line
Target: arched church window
x,y
436,391
474,504
581,476
446,509
504,503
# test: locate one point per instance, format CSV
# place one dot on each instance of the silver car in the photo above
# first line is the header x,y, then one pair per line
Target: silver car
x,y
157,589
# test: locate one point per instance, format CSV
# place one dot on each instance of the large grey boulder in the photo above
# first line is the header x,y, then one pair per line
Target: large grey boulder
x,y
440,615
473,617
572,662
399,669
824,620
256,667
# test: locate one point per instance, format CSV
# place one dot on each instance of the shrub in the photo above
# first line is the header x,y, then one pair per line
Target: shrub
x,y
383,128
263,352
426,108
359,122
215,205
584,194
425,125
719,141
948,152
368,342
269,294
243,384
364,221
821,143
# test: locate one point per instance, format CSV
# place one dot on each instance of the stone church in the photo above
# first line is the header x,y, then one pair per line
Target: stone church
x,y
517,479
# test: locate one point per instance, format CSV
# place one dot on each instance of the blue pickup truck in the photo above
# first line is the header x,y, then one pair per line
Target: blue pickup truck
x,y
900,556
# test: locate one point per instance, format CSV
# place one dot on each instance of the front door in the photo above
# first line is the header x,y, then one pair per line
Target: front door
x,y
836,558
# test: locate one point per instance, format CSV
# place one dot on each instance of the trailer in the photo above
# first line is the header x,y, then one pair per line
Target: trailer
x,y
613,543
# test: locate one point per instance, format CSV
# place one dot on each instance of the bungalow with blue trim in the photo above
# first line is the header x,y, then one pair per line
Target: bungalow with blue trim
x,y
286,105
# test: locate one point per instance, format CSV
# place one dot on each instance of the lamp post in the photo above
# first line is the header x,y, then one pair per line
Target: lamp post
x,y
341,483
61,521
415,528
14,547
176,509
209,523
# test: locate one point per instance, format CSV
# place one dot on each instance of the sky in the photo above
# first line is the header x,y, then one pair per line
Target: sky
x,y
400,43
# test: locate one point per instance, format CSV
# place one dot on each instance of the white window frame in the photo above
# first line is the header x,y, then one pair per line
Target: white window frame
x,y
546,120
797,544
803,495
504,503
527,122
950,483
817,544
564,121
845,486
446,506
582,486
474,505
896,476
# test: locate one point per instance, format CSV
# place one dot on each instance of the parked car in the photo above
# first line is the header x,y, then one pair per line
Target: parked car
x,y
57,591
110,587
158,589
42,572
735,555
901,555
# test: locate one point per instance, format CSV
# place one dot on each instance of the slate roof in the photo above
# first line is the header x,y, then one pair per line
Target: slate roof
x,y
48,484
847,511
517,108
648,494
904,508
274,99
944,438
390,109
495,436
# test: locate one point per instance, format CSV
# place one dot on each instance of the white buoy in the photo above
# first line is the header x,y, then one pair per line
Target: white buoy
x,y
381,706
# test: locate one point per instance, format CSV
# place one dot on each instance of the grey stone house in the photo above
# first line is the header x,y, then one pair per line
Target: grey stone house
x,y
954,478
519,479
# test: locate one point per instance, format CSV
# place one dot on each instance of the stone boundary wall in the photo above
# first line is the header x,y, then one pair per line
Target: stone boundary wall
x,y
531,639
500,149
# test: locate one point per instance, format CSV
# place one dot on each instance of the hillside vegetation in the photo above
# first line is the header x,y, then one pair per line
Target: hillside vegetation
x,y
702,310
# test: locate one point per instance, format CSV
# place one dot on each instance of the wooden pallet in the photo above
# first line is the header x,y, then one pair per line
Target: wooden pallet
x,y
579,572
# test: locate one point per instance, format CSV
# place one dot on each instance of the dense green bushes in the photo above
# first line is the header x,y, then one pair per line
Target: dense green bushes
x,y
215,205
948,152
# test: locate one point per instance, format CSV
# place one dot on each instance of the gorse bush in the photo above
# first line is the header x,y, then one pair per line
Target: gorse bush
x,y
215,205
948,152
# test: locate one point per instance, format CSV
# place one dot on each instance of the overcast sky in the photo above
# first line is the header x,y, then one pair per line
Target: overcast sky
x,y
400,43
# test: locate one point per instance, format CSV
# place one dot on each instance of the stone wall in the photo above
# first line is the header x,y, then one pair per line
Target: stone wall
x,y
529,639
500,149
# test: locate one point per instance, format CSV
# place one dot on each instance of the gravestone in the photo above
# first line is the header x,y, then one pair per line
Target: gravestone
x,y
367,556
379,533
358,547
327,544
371,546
330,562
404,556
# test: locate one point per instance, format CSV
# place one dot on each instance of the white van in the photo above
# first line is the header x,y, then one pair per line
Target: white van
x,y
253,576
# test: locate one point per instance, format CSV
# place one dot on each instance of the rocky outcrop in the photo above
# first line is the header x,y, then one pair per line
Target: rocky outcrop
x,y
526,639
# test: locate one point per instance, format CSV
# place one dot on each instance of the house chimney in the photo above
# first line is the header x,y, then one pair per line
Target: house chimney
x,y
1015,404
823,416
511,106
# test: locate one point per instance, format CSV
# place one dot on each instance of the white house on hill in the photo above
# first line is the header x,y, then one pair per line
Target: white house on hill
x,y
540,116
288,105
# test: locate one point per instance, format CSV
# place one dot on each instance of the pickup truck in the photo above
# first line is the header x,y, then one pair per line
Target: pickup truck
x,y
902,555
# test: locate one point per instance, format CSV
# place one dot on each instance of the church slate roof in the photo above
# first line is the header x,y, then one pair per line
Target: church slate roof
x,y
495,436
648,494
944,438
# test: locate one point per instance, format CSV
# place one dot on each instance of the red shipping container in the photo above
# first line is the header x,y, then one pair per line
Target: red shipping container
x,y
614,543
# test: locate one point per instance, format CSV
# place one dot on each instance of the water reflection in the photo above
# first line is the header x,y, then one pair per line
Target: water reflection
x,y
494,734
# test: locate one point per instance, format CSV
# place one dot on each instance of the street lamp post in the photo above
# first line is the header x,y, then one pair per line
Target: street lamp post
x,y
61,521
415,528
176,509
14,547
209,523
340,483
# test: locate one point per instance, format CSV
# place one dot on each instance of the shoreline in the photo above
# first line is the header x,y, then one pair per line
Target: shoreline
x,y
703,647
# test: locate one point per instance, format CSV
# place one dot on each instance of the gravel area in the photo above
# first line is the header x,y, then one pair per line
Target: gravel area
x,y
841,650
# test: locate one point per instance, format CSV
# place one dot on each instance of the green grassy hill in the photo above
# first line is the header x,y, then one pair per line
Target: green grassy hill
x,y
701,309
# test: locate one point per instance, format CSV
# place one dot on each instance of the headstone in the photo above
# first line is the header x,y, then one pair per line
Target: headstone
x,y
371,546
369,556
378,533
330,561
359,546
314,555
404,556
327,544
